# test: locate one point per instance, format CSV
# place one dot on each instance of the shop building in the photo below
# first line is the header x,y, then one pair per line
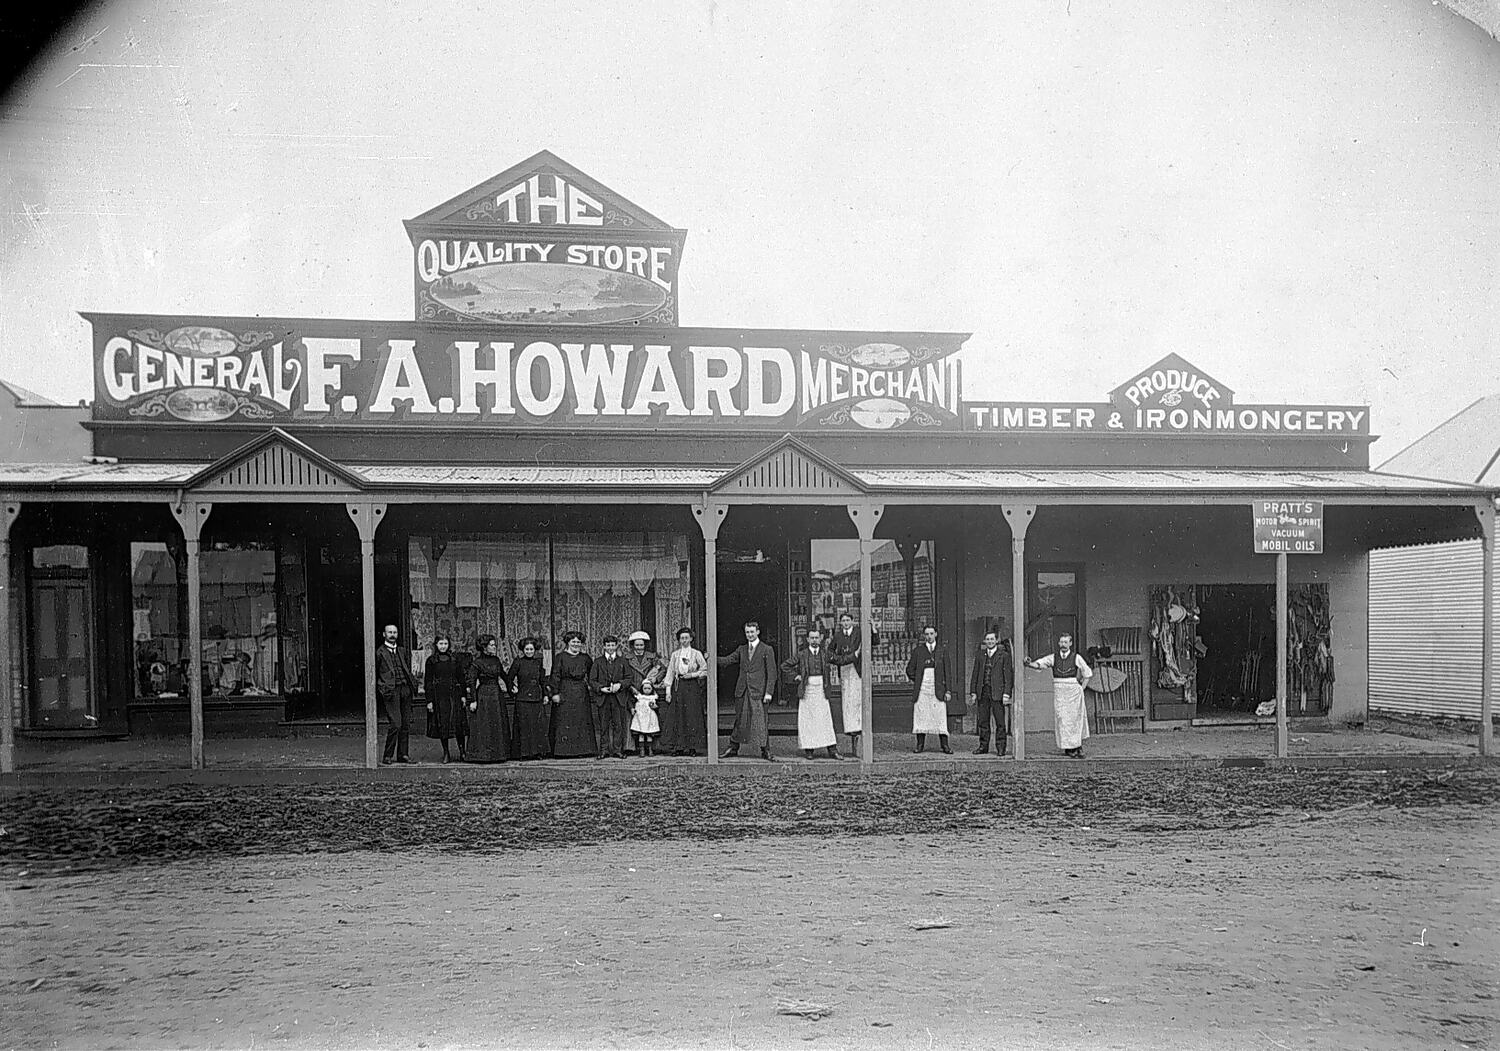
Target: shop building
x,y
546,447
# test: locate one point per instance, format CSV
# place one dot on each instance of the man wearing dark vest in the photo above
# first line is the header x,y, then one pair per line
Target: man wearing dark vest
x,y
394,687
990,684
1070,674
844,654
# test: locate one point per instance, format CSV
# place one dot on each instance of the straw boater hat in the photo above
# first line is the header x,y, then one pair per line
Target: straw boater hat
x,y
639,635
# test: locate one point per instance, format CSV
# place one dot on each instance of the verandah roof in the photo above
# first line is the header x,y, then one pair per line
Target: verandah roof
x,y
85,477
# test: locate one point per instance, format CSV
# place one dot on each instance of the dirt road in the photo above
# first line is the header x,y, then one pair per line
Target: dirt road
x,y
1368,925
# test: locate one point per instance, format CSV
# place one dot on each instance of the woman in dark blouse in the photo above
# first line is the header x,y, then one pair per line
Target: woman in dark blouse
x,y
444,686
572,719
489,722
533,694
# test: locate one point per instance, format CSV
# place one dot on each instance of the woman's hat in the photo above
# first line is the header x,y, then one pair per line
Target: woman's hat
x,y
639,636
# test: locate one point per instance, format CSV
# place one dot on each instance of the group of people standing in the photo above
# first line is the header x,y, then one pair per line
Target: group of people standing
x,y
593,705
584,706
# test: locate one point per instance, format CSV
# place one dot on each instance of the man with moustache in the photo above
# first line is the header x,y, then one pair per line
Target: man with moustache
x,y
394,687
752,692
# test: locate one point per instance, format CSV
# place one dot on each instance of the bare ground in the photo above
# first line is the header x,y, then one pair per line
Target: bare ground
x,y
1217,910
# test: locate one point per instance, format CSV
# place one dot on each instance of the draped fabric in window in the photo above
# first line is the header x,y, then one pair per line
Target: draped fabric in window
x,y
619,583
465,586
518,585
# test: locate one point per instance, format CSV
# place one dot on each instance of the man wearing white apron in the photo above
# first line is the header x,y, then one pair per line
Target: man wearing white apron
x,y
809,669
930,676
1069,676
844,653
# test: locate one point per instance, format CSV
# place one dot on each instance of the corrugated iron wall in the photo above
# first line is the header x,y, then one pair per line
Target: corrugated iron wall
x,y
1425,629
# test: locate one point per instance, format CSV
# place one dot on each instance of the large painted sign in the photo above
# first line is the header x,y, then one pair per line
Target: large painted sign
x,y
1170,397
273,370
542,243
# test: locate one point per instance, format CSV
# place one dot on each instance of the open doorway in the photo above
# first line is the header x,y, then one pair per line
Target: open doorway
x,y
1236,644
1237,648
748,590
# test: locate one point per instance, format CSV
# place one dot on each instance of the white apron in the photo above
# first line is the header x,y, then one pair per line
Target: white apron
x,y
851,692
929,715
644,720
814,719
1068,713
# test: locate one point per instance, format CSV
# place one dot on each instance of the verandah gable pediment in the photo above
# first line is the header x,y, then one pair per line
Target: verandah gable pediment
x,y
788,468
275,462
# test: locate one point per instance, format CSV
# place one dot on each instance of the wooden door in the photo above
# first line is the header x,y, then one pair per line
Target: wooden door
x,y
62,695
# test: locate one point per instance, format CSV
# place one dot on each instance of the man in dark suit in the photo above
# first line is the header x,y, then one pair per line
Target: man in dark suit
x,y
929,670
394,687
752,692
990,683
607,678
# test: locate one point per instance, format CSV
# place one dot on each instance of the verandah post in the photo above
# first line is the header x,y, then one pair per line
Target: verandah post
x,y
11,510
866,517
1281,644
1019,517
710,517
1486,514
191,515
366,518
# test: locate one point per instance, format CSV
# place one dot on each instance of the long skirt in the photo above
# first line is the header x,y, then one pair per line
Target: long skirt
x,y
750,723
448,712
685,725
489,727
1069,715
572,721
643,720
814,718
851,696
929,715
532,730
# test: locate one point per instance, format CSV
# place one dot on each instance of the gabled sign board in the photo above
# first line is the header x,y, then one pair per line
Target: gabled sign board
x,y
542,243
1173,396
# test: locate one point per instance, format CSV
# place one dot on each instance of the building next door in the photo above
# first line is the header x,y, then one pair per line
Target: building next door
x,y
61,614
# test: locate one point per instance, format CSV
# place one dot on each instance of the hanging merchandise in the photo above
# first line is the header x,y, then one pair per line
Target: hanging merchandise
x,y
418,574
467,582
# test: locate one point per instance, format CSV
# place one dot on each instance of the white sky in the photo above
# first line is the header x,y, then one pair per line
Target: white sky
x,y
1302,197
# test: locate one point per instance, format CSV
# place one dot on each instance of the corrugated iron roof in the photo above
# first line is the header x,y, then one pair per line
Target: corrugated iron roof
x,y
947,479
1150,480
1465,448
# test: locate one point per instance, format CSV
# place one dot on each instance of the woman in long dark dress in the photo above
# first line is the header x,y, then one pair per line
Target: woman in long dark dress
x,y
685,729
533,694
489,722
444,686
572,721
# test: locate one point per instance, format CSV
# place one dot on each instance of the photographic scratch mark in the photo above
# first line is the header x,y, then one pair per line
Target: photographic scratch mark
x,y
113,65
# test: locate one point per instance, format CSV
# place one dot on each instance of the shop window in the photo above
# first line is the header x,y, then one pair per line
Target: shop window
x,y
465,586
903,579
618,583
241,649
1054,595
518,585
254,619
158,614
